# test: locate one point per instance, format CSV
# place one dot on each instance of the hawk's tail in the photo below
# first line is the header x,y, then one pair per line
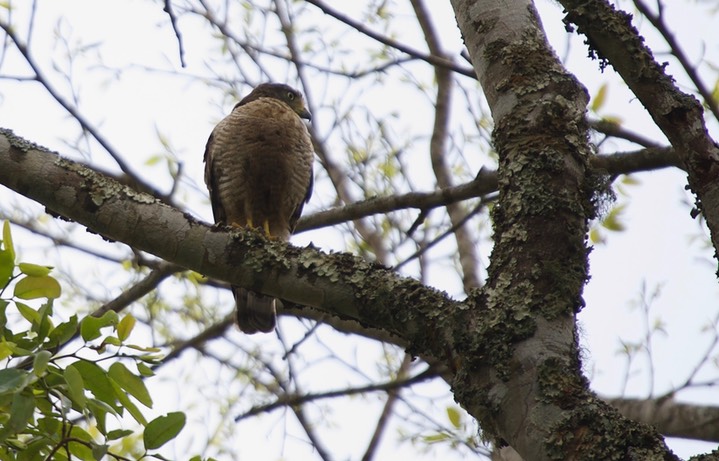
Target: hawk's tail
x,y
255,312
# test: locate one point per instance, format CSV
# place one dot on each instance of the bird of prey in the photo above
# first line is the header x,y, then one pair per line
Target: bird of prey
x,y
258,169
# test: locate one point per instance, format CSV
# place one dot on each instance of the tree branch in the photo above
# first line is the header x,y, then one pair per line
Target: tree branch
x,y
359,27
339,284
672,418
614,40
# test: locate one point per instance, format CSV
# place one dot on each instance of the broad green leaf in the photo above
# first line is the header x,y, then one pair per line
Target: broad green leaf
x,y
28,313
99,410
63,332
111,340
144,370
32,451
90,326
124,328
7,240
39,363
455,417
7,265
49,425
81,450
21,412
96,381
34,269
99,451
131,383
128,405
75,386
13,380
6,349
163,429
30,287
118,434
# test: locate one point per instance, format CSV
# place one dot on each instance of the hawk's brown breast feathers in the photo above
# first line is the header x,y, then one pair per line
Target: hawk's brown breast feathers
x,y
258,169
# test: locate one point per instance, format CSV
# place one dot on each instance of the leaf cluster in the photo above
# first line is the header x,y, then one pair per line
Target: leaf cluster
x,y
55,405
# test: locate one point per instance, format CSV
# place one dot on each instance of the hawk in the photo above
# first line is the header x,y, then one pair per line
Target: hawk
x,y
258,169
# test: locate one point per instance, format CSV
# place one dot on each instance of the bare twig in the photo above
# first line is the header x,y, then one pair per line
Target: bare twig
x,y
392,395
657,21
466,248
359,27
292,400
173,22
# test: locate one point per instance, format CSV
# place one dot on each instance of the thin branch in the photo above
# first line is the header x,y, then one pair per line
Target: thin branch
x,y
657,21
392,396
485,183
466,248
173,22
615,130
296,400
443,235
84,124
127,297
359,27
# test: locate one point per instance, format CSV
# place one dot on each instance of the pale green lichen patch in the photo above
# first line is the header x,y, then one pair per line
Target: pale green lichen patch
x,y
101,187
19,143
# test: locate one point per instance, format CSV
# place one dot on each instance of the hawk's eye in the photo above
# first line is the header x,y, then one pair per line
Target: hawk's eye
x,y
290,96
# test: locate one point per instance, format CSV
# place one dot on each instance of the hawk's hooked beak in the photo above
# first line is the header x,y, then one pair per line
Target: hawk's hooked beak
x,y
305,114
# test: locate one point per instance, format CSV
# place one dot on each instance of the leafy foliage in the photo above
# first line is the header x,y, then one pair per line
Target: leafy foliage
x,y
56,405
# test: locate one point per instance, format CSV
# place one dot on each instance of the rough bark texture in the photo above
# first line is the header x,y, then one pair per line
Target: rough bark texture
x,y
526,388
614,40
340,284
672,418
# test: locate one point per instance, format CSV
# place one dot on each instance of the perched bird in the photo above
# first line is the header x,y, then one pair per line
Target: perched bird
x,y
258,169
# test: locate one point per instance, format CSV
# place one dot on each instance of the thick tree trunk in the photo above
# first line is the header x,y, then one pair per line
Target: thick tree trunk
x,y
526,387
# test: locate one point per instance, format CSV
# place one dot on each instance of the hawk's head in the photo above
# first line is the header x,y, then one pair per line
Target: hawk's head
x,y
284,93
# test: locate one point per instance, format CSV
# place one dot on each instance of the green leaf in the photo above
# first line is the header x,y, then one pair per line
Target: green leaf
x,y
163,429
99,410
99,451
7,265
599,99
118,434
90,326
63,332
49,425
111,340
455,417
6,349
28,313
31,287
81,450
34,269
124,328
144,370
75,386
7,240
435,438
21,412
39,363
612,221
131,383
13,380
96,381
127,404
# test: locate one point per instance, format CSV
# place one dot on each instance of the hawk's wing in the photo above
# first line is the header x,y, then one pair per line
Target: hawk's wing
x,y
298,211
210,179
